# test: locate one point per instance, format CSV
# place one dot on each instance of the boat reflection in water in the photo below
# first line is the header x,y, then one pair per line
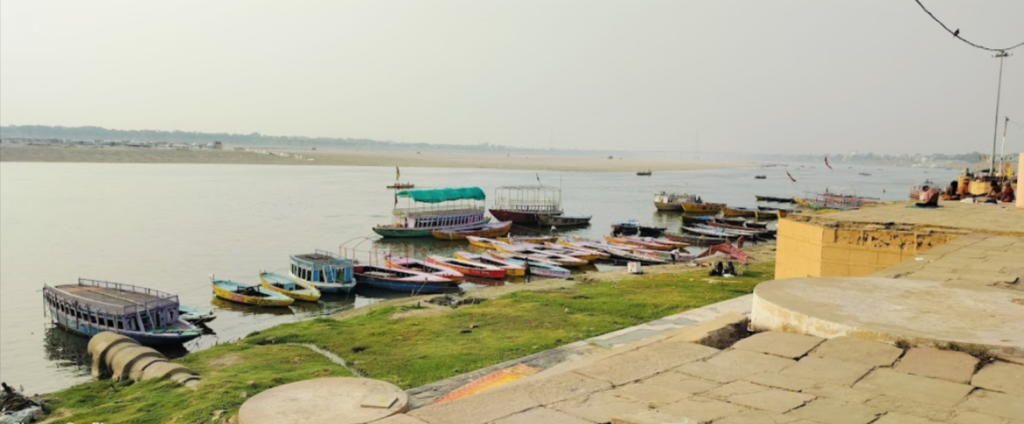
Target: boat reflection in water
x,y
67,349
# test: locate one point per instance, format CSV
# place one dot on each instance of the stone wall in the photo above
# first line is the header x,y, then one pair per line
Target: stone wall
x,y
1020,171
810,249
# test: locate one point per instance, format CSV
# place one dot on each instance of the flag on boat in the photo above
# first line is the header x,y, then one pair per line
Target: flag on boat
x,y
790,176
398,174
826,163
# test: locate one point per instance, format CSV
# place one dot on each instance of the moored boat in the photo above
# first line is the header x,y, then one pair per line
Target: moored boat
x,y
446,209
484,242
475,269
774,199
151,317
524,204
401,280
629,227
740,212
698,240
194,315
328,272
564,220
495,229
671,201
248,294
511,270
702,208
538,268
413,264
630,241
400,185
527,239
646,173
297,290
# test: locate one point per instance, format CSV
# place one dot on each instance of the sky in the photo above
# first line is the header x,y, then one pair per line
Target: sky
x,y
749,76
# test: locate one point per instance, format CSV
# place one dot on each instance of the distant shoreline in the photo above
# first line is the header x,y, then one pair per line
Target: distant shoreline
x,y
429,159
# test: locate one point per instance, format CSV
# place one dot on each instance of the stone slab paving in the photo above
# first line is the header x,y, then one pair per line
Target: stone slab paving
x,y
838,381
788,345
981,218
957,367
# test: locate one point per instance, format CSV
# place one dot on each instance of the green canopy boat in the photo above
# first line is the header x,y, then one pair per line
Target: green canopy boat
x,y
428,210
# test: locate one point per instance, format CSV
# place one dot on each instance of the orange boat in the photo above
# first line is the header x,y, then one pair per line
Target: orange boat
x,y
475,269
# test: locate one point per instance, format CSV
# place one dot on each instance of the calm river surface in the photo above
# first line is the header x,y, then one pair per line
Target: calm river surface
x,y
170,226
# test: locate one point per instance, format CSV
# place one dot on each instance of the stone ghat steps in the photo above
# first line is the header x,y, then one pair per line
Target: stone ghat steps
x,y
121,357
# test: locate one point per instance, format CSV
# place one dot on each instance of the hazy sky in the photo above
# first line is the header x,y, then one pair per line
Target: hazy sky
x,y
757,76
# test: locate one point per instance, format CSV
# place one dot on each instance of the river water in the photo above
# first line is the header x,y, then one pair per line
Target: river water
x,y
170,226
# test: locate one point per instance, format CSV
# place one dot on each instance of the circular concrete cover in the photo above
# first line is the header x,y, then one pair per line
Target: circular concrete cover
x,y
892,309
339,400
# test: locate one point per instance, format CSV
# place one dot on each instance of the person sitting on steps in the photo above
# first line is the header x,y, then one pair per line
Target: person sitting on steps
x,y
929,198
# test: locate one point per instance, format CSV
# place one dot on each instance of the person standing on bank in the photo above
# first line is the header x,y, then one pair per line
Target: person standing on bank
x,y
526,271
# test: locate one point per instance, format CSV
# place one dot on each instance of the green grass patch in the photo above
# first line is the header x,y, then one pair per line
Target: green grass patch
x,y
409,351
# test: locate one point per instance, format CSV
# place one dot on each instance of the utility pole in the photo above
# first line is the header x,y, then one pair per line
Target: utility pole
x,y
995,133
1002,148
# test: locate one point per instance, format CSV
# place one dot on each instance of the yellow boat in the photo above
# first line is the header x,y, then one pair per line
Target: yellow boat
x,y
738,212
248,294
801,202
483,242
294,289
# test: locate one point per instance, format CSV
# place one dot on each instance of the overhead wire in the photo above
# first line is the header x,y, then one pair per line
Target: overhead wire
x,y
955,34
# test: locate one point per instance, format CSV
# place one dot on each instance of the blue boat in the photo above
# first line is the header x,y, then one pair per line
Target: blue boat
x,y
329,273
403,280
149,316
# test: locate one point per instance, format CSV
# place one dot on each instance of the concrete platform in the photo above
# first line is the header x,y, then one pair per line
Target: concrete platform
x,y
920,312
337,400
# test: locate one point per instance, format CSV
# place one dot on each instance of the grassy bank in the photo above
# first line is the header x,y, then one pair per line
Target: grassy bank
x,y
396,344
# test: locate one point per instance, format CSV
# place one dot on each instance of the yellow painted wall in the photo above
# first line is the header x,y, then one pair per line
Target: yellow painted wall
x,y
1020,171
812,250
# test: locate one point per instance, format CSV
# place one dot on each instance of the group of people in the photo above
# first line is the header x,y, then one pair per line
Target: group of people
x,y
929,196
721,270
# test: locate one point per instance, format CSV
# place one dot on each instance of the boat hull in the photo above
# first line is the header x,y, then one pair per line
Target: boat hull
x,y
518,217
496,273
662,206
494,231
730,212
406,286
563,221
702,208
146,339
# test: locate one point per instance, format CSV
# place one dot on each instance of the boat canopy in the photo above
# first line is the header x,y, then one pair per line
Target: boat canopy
x,y
444,194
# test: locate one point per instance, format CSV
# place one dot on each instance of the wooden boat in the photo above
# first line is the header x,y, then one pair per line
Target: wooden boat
x,y
149,316
476,269
698,219
402,185
486,243
646,173
328,272
754,232
699,240
297,290
742,222
412,264
524,204
744,212
589,255
527,239
496,229
564,220
671,201
194,315
760,177
781,213
248,294
774,199
631,241
629,253
556,258
401,280
736,232
626,227
702,208
446,209
538,268
711,232
510,269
